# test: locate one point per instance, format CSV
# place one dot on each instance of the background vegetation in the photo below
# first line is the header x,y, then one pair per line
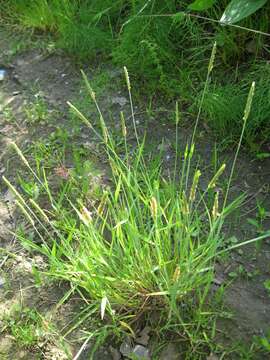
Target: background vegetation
x,y
166,48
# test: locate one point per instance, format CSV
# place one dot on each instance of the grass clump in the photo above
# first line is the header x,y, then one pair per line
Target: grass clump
x,y
26,326
149,242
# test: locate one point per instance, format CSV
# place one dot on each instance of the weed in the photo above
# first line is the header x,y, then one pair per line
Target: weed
x,y
9,115
263,343
261,215
50,152
134,250
258,222
37,111
267,285
30,188
25,325
242,272
31,330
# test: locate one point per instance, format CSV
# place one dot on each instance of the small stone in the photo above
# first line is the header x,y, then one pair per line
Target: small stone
x,y
20,62
119,100
21,354
6,344
9,197
218,280
126,347
140,353
3,74
16,78
2,282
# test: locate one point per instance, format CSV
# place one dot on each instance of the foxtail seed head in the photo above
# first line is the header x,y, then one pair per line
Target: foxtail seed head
x,y
20,154
212,183
102,204
249,102
153,207
123,124
185,205
212,58
104,130
215,212
176,274
13,189
127,78
194,185
86,216
89,88
80,115
177,116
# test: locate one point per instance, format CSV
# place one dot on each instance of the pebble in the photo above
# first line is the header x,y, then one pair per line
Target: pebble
x,y
119,100
140,353
137,352
126,348
2,282
9,197
3,74
21,62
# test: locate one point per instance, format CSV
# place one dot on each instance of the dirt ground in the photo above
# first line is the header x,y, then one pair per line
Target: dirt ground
x,y
33,73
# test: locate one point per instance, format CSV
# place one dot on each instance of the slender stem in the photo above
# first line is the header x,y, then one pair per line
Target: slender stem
x,y
211,20
196,125
176,139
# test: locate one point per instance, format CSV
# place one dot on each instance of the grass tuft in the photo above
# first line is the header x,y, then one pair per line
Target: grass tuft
x,y
148,244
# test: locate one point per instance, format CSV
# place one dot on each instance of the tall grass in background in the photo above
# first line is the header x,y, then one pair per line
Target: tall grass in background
x,y
157,36
149,244
81,28
224,104
165,49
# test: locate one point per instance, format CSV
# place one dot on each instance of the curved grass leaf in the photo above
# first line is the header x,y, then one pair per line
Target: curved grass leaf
x,y
200,5
240,9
